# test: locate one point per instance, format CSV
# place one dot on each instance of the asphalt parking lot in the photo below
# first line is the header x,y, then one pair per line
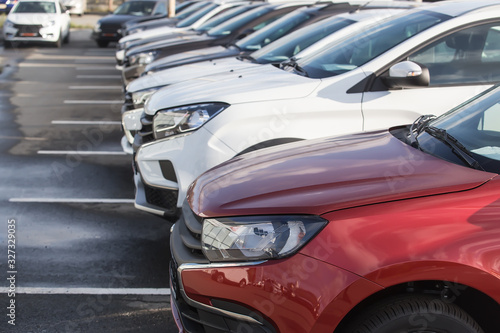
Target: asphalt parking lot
x,y
77,256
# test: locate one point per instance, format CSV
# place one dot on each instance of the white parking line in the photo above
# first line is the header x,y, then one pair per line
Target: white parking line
x,y
84,122
89,291
76,152
92,102
94,87
73,200
98,77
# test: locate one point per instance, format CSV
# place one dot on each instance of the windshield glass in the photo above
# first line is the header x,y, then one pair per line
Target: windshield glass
x,y
273,31
196,16
475,125
137,8
191,9
291,44
219,19
237,22
35,7
359,48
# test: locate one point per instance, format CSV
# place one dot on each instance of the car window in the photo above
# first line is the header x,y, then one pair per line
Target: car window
x,y
476,125
359,48
35,7
160,9
291,44
138,8
468,56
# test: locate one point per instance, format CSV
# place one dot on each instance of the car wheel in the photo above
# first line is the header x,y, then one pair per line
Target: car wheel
x,y
414,314
102,43
66,39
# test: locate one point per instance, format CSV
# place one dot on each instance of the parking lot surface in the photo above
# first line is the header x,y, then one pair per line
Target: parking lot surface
x,y
81,257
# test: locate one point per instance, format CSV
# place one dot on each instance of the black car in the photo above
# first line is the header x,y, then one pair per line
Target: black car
x,y
224,34
145,23
108,29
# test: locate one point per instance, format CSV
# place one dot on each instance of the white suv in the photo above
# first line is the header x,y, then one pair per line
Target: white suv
x,y
370,80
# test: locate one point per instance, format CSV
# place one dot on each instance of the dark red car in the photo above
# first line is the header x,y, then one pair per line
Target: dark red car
x,y
390,231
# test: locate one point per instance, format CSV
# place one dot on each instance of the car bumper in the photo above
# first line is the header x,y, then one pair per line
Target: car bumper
x,y
32,34
106,36
296,294
173,164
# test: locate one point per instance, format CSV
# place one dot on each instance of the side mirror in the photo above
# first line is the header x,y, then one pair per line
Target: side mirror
x,y
407,74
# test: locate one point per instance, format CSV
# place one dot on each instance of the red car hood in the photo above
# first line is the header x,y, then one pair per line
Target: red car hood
x,y
319,176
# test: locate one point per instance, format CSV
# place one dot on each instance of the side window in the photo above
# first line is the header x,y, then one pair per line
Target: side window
x,y
161,9
491,120
465,57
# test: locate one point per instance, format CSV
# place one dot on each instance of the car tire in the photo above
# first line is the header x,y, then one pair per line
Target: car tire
x,y
414,314
66,39
102,43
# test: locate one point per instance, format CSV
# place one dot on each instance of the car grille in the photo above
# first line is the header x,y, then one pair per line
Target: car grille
x,y
164,198
185,243
27,28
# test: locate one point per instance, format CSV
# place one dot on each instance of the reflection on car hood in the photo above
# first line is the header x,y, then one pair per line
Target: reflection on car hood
x,y
242,86
188,72
323,175
170,42
32,18
198,55
115,19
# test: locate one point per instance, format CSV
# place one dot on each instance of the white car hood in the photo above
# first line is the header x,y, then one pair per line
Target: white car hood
x,y
156,32
263,83
188,72
32,18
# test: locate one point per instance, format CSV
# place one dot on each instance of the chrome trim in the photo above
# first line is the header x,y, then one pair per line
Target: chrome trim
x,y
236,316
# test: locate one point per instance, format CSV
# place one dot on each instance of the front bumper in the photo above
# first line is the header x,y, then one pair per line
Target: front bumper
x,y
31,33
172,164
296,294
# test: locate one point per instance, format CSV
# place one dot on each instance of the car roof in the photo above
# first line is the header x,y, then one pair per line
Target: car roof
x,y
460,7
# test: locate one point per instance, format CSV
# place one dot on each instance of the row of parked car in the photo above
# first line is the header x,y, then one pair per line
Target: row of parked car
x,y
329,166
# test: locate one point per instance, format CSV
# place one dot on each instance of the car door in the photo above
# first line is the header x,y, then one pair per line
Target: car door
x,y
461,64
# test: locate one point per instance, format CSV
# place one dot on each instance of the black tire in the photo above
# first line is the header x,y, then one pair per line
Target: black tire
x,y
7,45
414,314
66,39
102,43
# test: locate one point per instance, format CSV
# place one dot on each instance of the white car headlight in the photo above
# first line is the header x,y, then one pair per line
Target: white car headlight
x,y
183,119
131,122
143,58
48,24
257,237
97,27
140,97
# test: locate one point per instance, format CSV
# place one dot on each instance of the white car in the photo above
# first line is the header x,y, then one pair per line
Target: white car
x,y
75,7
37,21
302,42
424,61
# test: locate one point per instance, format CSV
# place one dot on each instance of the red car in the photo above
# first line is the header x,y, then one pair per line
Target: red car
x,y
389,231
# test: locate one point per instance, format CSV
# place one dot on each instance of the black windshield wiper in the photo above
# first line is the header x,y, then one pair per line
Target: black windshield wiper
x,y
459,149
292,62
246,57
417,127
